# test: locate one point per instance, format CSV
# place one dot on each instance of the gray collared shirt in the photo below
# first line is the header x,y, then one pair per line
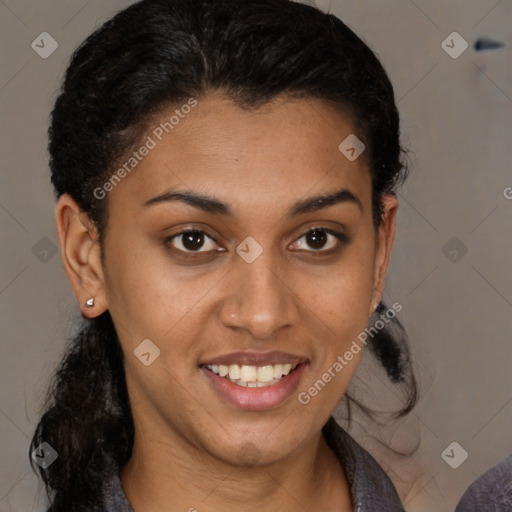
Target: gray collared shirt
x,y
492,492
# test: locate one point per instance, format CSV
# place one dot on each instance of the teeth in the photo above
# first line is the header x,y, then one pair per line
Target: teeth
x,y
265,373
234,372
278,371
247,373
253,376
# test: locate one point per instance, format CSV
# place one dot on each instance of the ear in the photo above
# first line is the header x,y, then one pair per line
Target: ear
x,y
383,244
80,251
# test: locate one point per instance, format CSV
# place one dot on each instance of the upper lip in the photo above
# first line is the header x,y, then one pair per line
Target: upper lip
x,y
255,359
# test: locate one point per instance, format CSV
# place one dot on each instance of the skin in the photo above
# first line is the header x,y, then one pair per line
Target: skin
x,y
192,448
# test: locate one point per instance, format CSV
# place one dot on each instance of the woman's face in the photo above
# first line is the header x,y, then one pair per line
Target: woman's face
x,y
250,288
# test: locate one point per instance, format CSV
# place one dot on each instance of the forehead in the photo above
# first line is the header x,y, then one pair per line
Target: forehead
x,y
248,158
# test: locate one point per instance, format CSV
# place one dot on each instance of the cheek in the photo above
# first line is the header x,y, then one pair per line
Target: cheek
x,y
145,296
342,300
341,304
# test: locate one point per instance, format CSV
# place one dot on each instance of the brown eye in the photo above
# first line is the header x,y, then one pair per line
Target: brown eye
x,y
191,241
318,238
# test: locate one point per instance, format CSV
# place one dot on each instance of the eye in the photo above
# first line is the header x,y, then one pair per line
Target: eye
x,y
191,241
318,238
194,241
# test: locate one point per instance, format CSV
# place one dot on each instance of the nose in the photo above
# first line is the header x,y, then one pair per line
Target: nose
x,y
260,299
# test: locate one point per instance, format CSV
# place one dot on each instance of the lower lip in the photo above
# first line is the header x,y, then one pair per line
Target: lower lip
x,y
256,399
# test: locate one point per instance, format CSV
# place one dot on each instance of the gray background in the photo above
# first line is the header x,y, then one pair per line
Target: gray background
x,y
457,308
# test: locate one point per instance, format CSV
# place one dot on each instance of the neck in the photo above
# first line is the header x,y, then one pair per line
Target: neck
x,y
175,472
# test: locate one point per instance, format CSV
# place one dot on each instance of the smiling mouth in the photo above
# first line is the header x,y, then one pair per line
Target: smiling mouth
x,y
252,376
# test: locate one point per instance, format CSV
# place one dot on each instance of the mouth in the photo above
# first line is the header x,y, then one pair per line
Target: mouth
x,y
253,376
253,381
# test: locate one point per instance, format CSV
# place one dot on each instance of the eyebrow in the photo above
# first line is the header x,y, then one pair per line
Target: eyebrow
x,y
214,206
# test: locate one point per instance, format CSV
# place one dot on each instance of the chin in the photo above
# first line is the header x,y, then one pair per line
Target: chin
x,y
254,449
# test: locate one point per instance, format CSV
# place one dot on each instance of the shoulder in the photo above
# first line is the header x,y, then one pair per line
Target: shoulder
x,y
372,490
491,492
114,498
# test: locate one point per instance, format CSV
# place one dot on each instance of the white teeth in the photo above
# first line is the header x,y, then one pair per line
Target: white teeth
x,y
253,376
234,371
248,373
265,373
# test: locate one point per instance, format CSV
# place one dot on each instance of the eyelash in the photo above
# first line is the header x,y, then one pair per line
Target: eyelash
x,y
341,237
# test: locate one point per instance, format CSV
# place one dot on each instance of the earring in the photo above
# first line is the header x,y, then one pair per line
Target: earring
x,y
89,303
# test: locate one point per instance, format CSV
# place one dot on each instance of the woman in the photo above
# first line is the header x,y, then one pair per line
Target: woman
x,y
225,175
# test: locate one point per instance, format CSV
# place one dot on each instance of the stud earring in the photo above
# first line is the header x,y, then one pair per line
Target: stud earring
x,y
89,303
